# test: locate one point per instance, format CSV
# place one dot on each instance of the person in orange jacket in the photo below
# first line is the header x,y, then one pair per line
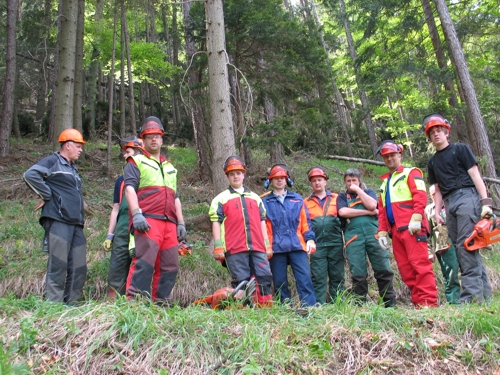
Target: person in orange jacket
x,y
327,264
402,203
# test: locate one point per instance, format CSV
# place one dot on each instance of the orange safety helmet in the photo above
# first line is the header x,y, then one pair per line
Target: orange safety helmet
x,y
234,163
278,170
389,147
132,142
71,135
432,120
317,172
152,125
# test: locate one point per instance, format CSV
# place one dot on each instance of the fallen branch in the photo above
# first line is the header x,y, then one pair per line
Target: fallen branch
x,y
492,180
356,160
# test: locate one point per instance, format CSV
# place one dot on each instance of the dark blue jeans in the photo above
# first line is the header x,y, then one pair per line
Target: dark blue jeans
x,y
300,266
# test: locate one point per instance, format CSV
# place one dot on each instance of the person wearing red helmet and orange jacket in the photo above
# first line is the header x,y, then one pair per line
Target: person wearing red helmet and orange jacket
x,y
291,234
402,202
55,179
156,218
457,181
117,239
358,208
240,234
327,263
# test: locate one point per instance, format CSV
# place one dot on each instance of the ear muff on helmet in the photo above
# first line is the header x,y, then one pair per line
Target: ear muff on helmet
x,y
234,163
278,170
316,172
389,147
433,120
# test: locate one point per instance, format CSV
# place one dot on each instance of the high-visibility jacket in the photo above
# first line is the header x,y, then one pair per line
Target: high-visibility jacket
x,y
408,196
240,216
325,221
288,223
157,187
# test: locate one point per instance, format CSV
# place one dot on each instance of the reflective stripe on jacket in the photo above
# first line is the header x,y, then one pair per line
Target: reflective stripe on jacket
x,y
325,221
408,196
157,187
288,223
241,217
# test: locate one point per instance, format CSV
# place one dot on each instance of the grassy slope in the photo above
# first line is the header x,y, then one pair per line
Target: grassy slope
x,y
120,337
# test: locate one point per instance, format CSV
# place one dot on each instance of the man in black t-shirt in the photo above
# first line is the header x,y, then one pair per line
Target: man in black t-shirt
x,y
454,172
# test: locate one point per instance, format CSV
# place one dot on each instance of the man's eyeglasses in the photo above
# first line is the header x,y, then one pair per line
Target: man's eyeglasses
x,y
153,136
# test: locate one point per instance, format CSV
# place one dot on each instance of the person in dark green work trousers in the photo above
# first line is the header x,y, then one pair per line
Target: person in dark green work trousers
x,y
117,239
327,264
358,207
446,254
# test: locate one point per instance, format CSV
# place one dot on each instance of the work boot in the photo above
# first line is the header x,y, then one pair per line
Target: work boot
x,y
385,287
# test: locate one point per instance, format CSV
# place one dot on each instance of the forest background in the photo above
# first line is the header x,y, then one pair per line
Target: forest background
x,y
304,80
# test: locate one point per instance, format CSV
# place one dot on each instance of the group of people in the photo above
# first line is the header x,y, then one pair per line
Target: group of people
x,y
260,236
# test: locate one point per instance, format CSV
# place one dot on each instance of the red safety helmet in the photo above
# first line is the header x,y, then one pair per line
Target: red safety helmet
x,y
316,172
435,119
389,147
132,142
71,135
234,163
279,170
152,125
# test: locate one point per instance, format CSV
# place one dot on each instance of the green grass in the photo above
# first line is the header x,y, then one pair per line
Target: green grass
x,y
118,337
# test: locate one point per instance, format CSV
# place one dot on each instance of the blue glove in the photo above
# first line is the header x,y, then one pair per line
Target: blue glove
x,y
140,223
181,232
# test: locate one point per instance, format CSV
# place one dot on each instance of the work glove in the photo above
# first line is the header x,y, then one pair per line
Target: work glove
x,y
415,224
486,210
140,223
181,231
382,240
219,251
310,247
108,241
269,249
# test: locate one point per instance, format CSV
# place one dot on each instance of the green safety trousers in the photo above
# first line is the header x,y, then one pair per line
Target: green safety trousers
x,y
327,267
361,242
449,267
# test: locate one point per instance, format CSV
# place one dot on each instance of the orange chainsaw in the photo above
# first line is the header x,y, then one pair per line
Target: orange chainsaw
x,y
222,298
486,232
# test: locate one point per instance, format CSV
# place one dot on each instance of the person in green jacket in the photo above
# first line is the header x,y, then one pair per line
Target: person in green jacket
x,y
358,207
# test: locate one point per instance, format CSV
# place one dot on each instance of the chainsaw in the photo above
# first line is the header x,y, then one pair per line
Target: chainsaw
x,y
222,298
486,232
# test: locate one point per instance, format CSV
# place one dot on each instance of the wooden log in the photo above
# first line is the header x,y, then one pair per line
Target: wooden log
x,y
356,160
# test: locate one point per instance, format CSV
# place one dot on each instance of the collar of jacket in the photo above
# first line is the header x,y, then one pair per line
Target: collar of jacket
x,y
398,170
245,190
328,193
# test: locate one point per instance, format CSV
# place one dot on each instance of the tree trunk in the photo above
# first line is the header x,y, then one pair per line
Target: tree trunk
x,y
194,109
362,93
79,73
66,75
459,130
339,102
10,79
94,75
483,143
220,110
130,77
122,72
111,96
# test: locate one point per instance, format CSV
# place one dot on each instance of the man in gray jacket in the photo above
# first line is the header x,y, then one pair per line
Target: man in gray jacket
x,y
55,179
